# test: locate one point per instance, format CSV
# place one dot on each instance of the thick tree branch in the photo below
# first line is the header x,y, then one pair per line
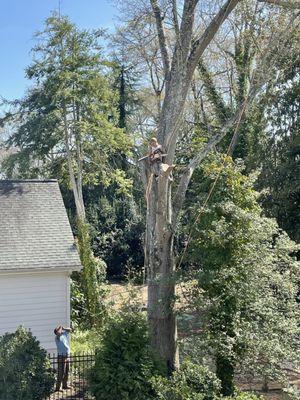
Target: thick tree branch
x,y
201,44
184,64
175,19
161,37
186,27
289,4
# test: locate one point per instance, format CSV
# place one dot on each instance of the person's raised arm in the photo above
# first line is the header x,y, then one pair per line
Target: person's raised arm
x,y
67,329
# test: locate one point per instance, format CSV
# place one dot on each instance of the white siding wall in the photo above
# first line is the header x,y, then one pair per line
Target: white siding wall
x,y
38,301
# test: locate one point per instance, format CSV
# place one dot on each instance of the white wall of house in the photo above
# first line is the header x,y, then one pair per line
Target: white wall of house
x,y
38,301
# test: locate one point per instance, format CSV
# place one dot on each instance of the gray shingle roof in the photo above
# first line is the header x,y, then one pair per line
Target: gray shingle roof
x,y
34,228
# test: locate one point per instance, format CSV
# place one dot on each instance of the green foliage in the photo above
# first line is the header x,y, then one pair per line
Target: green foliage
x,y
70,112
191,382
291,393
222,111
123,366
85,341
246,396
279,178
89,289
247,280
74,102
117,229
25,371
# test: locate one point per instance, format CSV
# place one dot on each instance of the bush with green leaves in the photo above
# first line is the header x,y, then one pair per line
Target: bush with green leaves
x,y
191,382
291,393
25,370
245,396
247,278
88,290
123,366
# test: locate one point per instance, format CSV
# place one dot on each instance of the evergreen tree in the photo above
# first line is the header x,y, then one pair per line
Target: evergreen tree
x,y
66,127
280,176
66,123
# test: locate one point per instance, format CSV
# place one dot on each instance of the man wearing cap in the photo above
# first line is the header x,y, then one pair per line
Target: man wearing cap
x,y
62,340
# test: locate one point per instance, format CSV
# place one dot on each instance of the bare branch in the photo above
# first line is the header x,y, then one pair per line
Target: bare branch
x,y
161,37
175,19
201,44
288,4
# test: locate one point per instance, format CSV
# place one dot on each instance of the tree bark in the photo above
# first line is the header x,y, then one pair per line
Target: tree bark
x,y
77,191
160,266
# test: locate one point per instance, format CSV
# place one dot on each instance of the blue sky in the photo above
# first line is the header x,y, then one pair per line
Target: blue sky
x,y
19,19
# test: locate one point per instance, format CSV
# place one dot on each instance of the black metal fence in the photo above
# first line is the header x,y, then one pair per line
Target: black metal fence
x,y
79,367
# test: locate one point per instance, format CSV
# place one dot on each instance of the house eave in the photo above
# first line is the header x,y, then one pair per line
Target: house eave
x,y
69,269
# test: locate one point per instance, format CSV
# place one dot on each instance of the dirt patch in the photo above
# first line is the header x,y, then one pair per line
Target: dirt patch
x,y
123,294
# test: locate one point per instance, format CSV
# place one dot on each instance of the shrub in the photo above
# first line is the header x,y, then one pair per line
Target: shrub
x,y
291,393
191,382
123,365
25,371
246,396
85,341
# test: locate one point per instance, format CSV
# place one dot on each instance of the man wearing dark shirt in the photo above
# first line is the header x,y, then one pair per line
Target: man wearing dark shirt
x,y
62,340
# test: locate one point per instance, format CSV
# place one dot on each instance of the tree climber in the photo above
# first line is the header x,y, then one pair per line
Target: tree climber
x,y
155,157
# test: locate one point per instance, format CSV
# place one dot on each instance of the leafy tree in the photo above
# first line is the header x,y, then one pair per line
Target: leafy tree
x,y
25,371
116,225
66,125
91,279
247,277
123,365
67,121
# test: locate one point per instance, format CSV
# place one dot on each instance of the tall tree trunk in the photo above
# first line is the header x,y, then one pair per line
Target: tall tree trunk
x,y
77,191
160,266
160,224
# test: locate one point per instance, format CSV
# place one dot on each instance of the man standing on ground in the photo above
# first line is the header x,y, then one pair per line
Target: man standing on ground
x,y
62,340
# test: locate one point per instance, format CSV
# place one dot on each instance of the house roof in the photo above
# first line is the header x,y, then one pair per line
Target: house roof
x,y
35,233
